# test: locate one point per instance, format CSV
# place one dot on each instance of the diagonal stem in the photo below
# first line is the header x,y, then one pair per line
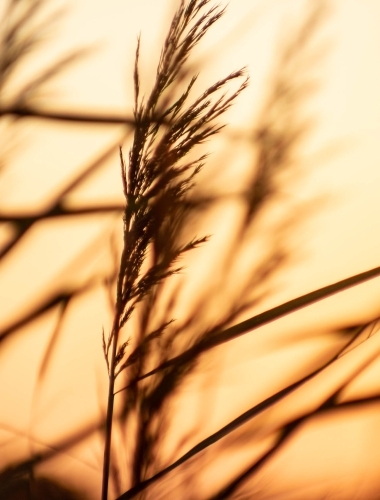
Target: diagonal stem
x,y
234,424
259,320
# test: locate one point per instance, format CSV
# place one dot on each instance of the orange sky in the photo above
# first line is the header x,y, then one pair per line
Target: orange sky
x,y
338,164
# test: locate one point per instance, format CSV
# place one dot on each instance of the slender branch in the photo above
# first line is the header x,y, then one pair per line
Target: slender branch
x,y
90,117
59,211
53,448
62,446
24,223
111,364
259,320
289,430
234,424
110,406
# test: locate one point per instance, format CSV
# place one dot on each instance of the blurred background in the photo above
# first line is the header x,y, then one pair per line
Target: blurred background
x,y
290,197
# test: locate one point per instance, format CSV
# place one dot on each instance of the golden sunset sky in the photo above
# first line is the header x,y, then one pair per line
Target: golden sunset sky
x,y
333,195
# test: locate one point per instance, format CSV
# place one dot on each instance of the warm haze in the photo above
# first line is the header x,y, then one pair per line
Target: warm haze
x,y
318,226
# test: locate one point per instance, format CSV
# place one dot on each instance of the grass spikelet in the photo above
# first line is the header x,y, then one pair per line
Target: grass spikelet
x,y
156,182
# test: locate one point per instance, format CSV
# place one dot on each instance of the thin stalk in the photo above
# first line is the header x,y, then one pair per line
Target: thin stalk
x,y
110,406
255,322
74,116
113,341
235,424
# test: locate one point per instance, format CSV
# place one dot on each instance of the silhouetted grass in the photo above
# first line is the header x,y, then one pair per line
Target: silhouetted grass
x,y
156,183
163,204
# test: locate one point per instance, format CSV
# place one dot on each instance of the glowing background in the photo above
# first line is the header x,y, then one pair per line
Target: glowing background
x,y
339,160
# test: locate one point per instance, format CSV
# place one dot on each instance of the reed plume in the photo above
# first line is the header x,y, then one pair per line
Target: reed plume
x,y
157,180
